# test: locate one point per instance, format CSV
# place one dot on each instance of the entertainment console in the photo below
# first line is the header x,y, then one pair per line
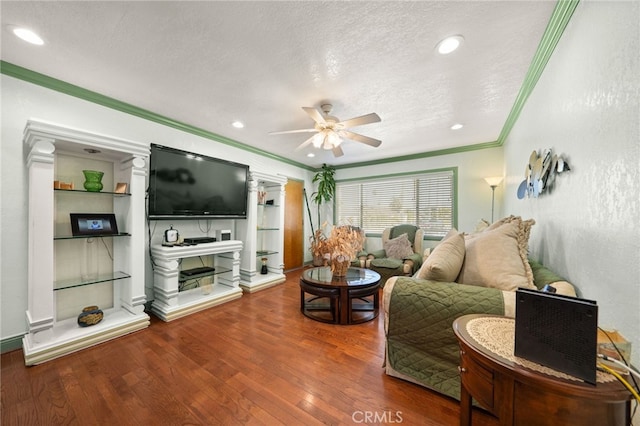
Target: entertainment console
x,y
170,303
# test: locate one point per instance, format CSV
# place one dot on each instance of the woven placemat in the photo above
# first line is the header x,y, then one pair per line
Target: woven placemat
x,y
497,334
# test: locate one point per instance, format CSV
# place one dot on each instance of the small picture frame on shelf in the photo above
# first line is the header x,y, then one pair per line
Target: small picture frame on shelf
x,y
84,224
121,188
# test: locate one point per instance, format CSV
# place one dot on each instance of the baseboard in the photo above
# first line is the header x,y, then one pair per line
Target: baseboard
x,y
11,343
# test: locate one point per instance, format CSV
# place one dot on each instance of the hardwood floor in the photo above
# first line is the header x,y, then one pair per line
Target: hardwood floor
x,y
256,360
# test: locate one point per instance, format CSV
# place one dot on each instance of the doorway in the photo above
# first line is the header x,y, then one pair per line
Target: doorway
x,y
293,225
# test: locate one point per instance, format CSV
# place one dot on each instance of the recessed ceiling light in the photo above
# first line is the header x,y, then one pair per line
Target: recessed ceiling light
x,y
449,44
457,126
311,155
28,36
238,124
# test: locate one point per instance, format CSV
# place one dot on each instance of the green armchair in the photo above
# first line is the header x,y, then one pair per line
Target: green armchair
x,y
398,258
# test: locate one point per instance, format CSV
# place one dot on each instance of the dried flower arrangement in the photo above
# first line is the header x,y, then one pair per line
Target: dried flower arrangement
x,y
340,247
319,248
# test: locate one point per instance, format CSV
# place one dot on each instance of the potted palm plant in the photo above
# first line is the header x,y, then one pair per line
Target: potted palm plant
x,y
325,180
326,186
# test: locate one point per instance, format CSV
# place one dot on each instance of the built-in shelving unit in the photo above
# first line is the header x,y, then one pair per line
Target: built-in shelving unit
x,y
263,232
60,280
170,302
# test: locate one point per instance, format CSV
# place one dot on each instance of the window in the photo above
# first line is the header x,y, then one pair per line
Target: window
x,y
426,199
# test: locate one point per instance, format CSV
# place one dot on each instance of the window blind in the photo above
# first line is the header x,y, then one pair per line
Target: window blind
x,y
426,200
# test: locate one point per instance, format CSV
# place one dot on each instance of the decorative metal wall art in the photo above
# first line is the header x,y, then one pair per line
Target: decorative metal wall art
x,y
540,173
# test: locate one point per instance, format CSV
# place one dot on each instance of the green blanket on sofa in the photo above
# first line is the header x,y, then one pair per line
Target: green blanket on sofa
x,y
420,338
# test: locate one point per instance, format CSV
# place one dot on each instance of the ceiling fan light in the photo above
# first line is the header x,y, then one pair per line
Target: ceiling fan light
x,y
449,44
333,140
326,143
317,140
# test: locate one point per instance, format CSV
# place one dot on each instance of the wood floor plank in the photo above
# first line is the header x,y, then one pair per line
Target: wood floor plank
x,y
252,361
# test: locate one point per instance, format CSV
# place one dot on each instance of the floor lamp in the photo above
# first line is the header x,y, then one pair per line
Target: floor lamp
x,y
493,182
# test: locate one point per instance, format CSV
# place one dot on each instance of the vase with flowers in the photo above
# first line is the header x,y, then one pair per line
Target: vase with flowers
x,y
342,246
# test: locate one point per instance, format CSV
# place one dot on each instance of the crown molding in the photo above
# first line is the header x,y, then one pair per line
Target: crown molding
x,y
558,22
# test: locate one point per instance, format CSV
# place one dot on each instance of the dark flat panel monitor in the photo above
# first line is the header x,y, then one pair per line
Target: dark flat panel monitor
x,y
186,185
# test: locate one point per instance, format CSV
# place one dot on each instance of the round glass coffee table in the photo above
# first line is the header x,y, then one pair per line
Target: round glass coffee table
x,y
351,299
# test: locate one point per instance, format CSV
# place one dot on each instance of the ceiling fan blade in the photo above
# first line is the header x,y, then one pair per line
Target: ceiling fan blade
x,y
360,138
305,143
359,121
293,131
314,114
337,151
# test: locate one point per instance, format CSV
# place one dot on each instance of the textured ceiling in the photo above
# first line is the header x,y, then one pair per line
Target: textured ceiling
x,y
207,64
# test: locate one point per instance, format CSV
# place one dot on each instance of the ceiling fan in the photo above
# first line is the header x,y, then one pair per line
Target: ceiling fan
x,y
330,131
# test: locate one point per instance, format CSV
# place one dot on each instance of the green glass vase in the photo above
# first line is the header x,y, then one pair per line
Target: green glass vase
x,y
93,180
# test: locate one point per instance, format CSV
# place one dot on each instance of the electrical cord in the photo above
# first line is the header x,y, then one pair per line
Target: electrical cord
x,y
626,366
624,361
149,231
207,228
621,380
615,361
107,248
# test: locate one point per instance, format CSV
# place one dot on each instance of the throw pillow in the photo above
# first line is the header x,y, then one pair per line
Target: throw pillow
x,y
481,226
398,248
523,239
445,261
494,258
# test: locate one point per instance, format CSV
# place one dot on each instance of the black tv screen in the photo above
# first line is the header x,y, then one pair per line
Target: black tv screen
x,y
185,185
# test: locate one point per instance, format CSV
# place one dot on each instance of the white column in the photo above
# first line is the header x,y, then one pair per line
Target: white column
x,y
40,310
249,239
277,267
132,210
165,283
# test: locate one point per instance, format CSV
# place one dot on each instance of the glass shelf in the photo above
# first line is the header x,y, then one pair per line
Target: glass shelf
x,y
219,270
78,282
268,229
79,237
117,194
265,252
268,205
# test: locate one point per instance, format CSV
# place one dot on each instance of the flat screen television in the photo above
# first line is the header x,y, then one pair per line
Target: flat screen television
x,y
185,185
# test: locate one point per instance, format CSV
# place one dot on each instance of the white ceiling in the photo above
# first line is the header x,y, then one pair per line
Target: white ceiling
x,y
207,64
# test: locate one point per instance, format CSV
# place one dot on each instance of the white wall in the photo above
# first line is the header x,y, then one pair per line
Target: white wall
x,y
585,107
22,101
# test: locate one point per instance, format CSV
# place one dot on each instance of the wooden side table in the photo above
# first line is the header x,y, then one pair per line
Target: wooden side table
x,y
517,395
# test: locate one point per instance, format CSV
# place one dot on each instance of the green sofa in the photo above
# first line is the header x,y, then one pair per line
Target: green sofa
x,y
421,346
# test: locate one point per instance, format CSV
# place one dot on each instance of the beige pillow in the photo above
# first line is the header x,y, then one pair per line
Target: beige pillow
x,y
495,258
523,239
398,247
481,226
445,261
